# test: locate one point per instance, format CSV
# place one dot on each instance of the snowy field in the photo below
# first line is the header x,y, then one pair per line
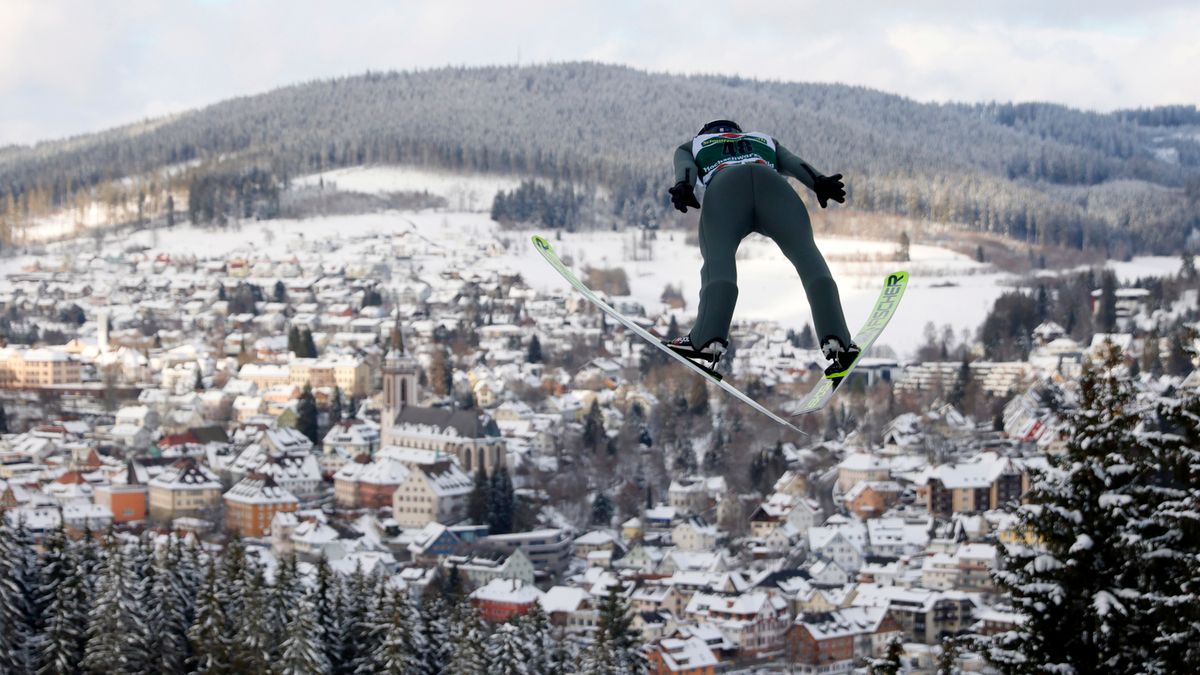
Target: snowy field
x,y
463,191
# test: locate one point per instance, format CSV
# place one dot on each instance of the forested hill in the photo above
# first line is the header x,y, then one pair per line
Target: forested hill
x,y
1127,181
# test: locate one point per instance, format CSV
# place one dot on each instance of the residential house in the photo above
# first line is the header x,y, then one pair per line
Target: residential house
x,y
695,535
126,494
185,489
436,492
252,503
681,656
835,641
502,599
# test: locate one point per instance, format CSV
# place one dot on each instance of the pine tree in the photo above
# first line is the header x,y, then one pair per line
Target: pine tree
x,y
209,631
301,652
335,407
437,629
593,428
506,651
602,510
891,663
808,340
534,355
281,599
1187,265
1179,357
325,600
1108,302
469,652
307,345
253,637
306,415
479,504
948,656
1162,535
20,583
1070,582
616,648
356,621
293,342
168,612
536,640
115,619
503,506
63,637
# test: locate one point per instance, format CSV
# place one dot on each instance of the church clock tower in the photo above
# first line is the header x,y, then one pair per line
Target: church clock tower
x,y
400,373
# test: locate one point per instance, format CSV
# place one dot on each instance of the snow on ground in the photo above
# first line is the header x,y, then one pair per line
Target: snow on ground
x,y
946,288
463,191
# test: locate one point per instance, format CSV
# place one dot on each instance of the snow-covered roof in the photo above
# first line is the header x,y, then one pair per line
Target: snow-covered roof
x,y
844,622
259,490
186,474
564,599
686,654
508,591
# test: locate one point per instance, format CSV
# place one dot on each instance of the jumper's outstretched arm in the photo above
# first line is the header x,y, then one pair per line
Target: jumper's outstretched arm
x,y
685,165
792,165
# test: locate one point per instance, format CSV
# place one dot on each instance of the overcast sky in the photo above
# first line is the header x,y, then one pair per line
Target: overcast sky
x,y
74,67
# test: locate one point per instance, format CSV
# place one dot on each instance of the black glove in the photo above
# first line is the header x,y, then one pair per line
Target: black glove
x,y
830,187
683,196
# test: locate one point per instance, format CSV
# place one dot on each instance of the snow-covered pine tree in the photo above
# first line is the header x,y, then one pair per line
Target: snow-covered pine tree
x,y
469,651
536,642
1069,574
302,652
115,621
63,637
616,648
1164,537
209,632
381,613
253,633
401,651
20,585
281,599
142,572
435,625
355,621
890,663
506,651
326,600
231,584
168,612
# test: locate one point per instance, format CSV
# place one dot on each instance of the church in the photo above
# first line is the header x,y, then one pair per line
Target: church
x,y
470,435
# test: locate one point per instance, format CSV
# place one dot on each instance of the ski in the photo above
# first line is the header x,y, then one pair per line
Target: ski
x,y
885,307
543,247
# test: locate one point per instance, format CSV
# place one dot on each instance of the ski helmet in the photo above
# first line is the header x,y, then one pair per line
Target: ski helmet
x,y
720,127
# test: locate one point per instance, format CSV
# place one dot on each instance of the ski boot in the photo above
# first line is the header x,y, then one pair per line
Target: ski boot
x,y
706,357
842,356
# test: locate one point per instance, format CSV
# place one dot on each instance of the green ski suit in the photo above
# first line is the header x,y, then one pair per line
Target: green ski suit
x,y
752,197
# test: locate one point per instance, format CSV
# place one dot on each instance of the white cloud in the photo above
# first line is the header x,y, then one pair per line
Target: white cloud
x,y
71,67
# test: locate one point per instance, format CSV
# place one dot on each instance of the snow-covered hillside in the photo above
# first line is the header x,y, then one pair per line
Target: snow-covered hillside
x,y
463,191
946,289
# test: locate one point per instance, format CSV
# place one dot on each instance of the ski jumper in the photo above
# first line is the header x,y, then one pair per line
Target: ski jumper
x,y
745,194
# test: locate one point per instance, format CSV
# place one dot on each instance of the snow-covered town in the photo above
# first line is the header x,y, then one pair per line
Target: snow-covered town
x,y
385,404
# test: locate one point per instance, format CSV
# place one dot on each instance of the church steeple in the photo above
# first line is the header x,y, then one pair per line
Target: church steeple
x,y
400,374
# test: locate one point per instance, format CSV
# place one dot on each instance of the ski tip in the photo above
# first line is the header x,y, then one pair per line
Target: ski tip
x,y
540,242
896,278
